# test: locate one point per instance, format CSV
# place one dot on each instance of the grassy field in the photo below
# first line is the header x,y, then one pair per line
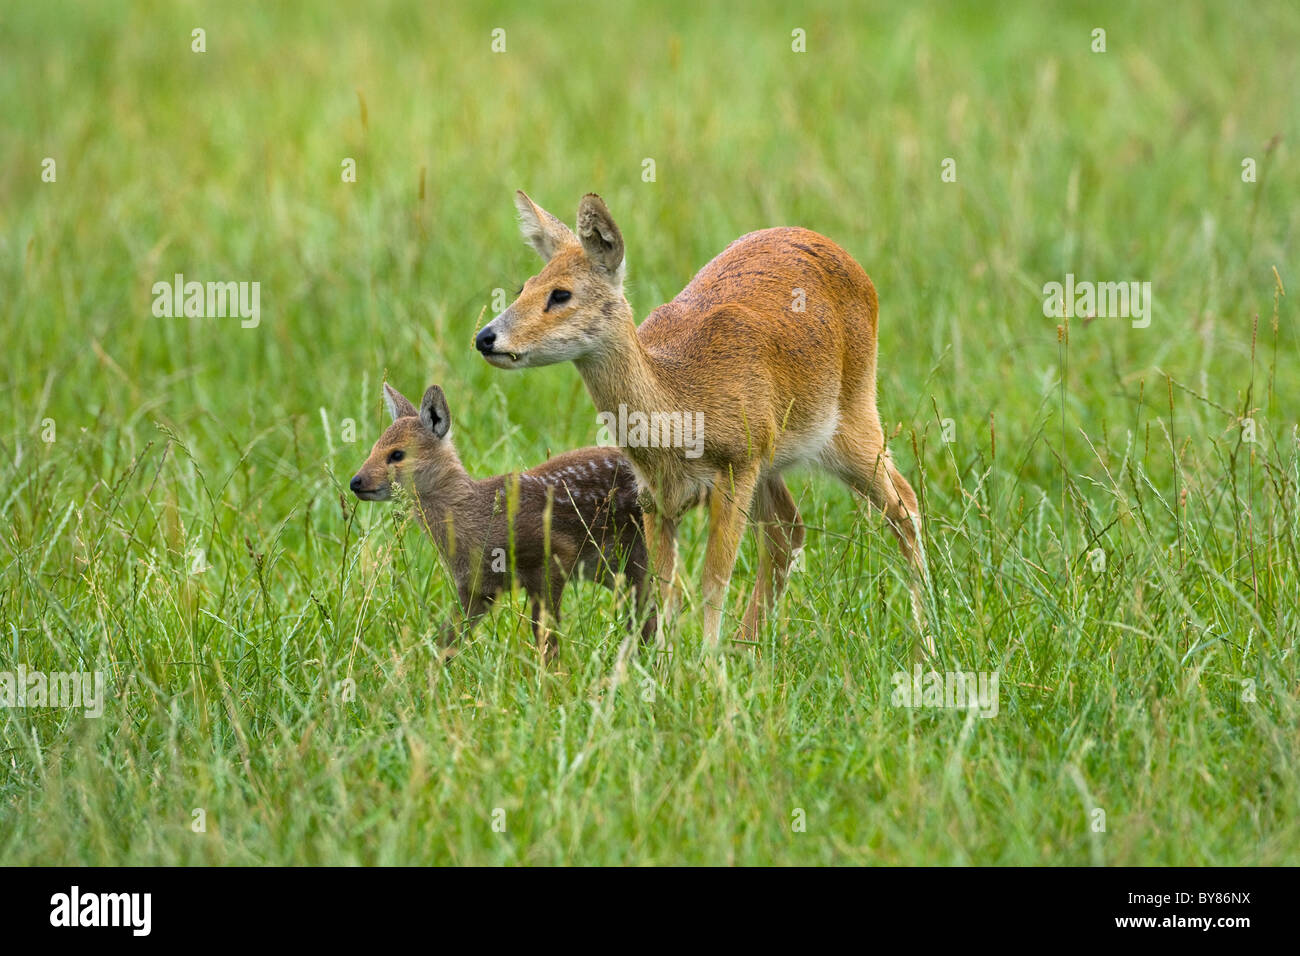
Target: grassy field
x,y
1113,510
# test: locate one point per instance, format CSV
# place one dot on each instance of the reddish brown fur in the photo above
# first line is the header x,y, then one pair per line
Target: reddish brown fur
x,y
576,514
777,387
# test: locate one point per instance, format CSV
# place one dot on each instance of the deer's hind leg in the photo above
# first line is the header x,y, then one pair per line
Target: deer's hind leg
x,y
780,535
859,457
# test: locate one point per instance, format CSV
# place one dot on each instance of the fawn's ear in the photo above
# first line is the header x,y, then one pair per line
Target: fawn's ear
x,y
543,231
398,405
600,238
434,414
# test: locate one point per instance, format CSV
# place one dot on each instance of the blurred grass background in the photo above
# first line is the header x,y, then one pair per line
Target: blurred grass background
x,y
186,531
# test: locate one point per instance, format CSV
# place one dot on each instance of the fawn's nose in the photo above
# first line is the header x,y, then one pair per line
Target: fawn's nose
x,y
355,484
485,339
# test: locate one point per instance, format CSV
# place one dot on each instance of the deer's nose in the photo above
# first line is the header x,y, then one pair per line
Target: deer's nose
x,y
355,484
485,339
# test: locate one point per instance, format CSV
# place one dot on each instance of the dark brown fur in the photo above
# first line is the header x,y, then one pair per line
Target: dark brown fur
x,y
576,514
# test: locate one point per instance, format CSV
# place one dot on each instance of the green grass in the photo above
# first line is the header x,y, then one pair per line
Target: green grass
x,y
1122,689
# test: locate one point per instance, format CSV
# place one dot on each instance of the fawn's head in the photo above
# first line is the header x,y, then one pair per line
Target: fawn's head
x,y
415,450
571,308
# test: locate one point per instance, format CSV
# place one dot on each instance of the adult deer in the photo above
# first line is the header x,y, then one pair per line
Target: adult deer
x,y
774,342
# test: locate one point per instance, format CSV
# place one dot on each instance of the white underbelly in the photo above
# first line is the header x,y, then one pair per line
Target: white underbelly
x,y
807,445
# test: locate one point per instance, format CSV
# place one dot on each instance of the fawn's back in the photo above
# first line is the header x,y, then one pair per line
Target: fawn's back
x,y
580,507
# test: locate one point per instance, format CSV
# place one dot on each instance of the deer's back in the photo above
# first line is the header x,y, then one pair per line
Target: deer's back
x,y
593,510
595,484
782,320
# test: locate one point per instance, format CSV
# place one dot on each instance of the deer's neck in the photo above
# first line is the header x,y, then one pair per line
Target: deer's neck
x,y
622,372
450,509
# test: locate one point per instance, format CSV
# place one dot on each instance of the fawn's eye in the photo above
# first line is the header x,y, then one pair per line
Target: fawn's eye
x,y
397,455
558,297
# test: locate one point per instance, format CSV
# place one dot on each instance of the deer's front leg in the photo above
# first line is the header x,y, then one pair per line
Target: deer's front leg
x,y
643,607
661,542
729,501
473,606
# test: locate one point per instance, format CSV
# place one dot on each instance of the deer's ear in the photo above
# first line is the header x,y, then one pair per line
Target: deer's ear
x,y
600,238
434,414
397,404
543,231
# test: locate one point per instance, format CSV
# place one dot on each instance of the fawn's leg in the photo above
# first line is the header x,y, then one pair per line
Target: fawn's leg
x,y
729,501
780,535
546,613
473,606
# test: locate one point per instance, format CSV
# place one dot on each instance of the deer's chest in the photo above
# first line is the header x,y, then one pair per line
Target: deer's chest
x,y
667,489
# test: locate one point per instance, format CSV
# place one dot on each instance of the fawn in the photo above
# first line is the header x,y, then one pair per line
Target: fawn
x,y
577,514
774,342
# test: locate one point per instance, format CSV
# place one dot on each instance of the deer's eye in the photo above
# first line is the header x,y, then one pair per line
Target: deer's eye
x,y
558,297
397,455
